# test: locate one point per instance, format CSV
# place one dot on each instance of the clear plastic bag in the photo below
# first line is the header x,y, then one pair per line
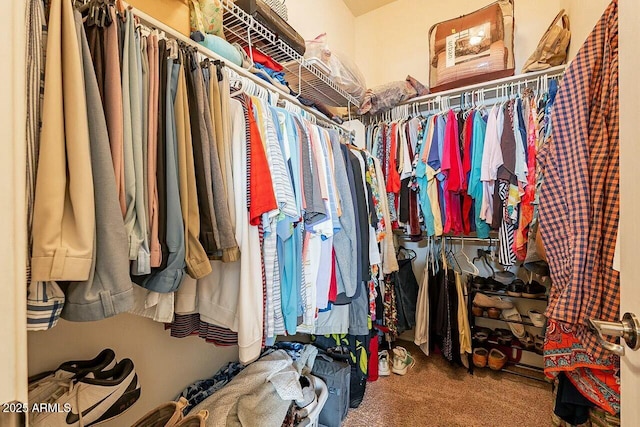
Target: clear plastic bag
x,y
343,71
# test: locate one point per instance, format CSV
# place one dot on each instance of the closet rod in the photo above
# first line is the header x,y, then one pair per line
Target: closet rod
x,y
151,21
490,85
488,240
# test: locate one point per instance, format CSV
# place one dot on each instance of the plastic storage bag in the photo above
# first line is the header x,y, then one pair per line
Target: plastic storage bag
x,y
473,48
343,71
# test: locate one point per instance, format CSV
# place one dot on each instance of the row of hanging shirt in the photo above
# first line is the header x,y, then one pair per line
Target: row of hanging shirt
x,y
316,232
238,219
467,171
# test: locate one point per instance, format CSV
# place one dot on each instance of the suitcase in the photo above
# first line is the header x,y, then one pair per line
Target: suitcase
x,y
337,377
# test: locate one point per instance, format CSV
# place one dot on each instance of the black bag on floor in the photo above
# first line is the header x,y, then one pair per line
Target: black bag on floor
x,y
337,375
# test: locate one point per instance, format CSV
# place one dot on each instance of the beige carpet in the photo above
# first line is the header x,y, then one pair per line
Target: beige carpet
x,y
435,394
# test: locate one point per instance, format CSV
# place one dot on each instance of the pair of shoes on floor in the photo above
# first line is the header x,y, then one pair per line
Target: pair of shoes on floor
x,y
86,392
480,356
402,361
170,414
495,359
383,363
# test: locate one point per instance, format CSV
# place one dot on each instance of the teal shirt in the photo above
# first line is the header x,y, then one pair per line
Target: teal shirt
x,y
475,186
423,182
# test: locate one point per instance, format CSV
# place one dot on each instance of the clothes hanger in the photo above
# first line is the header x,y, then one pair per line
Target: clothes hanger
x,y
235,83
466,107
250,85
432,259
472,102
143,29
82,5
404,253
464,262
452,261
504,96
443,257
480,100
272,97
265,93
95,12
482,257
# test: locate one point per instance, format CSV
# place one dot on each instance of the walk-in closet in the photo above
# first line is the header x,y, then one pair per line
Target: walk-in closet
x,y
268,213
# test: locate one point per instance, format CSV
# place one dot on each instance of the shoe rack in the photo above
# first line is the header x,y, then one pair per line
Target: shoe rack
x,y
522,362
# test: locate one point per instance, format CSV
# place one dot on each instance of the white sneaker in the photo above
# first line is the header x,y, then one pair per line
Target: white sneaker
x,y
88,401
383,363
402,361
43,385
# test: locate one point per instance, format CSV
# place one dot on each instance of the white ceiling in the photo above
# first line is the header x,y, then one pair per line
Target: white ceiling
x,y
360,7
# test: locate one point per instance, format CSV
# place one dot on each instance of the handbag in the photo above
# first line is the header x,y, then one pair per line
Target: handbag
x,y
553,47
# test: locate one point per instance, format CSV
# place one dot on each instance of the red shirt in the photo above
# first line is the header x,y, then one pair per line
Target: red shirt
x,y
393,180
261,195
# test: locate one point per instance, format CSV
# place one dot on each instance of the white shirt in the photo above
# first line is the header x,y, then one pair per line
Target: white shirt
x,y
491,161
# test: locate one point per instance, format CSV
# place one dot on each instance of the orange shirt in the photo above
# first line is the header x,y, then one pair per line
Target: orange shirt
x,y
261,196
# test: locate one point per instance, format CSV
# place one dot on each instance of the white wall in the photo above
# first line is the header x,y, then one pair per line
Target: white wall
x,y
583,16
13,367
392,41
311,18
164,365
629,16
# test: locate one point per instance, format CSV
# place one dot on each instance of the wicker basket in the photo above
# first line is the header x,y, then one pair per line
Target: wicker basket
x,y
278,7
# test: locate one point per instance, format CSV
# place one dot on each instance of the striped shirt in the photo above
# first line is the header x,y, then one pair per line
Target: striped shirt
x,y
185,325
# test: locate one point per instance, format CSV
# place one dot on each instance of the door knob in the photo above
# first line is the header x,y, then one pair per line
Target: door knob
x,y
628,329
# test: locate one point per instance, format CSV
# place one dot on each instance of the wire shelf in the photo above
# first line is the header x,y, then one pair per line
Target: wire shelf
x,y
523,322
303,77
313,115
504,294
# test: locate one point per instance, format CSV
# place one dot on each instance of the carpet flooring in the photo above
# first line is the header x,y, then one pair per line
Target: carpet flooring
x,y
433,393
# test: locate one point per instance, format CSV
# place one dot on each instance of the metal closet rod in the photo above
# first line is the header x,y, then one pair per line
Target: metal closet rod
x,y
154,23
496,85
490,240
